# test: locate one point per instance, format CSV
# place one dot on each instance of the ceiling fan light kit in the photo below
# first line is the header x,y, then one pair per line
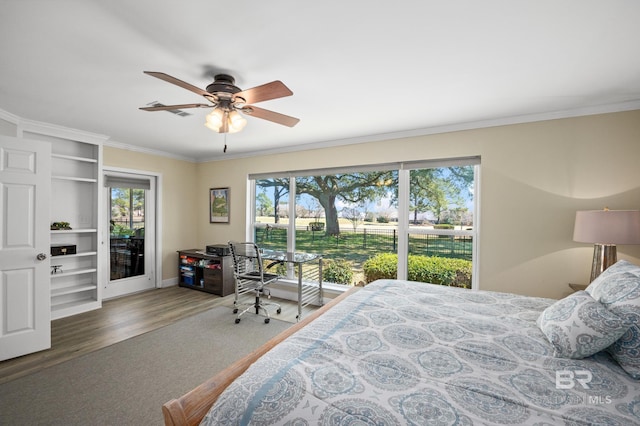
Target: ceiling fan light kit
x,y
228,101
222,121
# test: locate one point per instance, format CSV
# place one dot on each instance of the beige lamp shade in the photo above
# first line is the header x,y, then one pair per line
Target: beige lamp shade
x,y
604,229
607,227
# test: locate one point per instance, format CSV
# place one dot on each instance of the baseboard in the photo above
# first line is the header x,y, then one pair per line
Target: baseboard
x,y
170,282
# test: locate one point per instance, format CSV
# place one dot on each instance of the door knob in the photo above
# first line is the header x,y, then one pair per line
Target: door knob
x,y
41,256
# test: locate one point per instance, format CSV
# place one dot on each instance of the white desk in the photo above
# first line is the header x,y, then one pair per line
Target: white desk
x,y
309,279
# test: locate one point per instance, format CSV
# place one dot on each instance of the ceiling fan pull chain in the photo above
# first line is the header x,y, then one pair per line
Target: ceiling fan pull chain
x,y
225,143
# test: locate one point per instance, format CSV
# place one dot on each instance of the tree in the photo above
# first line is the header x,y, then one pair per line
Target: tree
x,y
125,204
137,198
433,190
436,190
350,187
355,215
264,206
422,190
280,188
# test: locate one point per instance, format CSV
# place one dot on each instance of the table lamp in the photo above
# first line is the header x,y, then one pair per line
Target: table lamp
x,y
605,229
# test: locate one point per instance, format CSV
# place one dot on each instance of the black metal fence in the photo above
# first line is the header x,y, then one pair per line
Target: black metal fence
x,y
363,243
122,227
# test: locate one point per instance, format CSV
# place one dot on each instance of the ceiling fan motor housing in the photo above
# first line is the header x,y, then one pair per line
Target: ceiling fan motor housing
x,y
223,86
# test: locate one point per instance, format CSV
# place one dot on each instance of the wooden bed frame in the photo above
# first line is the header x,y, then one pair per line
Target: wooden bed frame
x,y
191,407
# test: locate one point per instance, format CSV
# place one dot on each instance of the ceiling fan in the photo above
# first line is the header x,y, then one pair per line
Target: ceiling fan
x,y
228,100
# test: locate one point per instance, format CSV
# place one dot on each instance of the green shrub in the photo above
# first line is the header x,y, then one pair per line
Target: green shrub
x,y
122,231
382,219
316,226
280,269
443,226
428,269
440,270
337,271
380,266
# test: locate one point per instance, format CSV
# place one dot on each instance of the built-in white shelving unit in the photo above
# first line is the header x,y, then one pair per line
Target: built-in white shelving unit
x,y
76,176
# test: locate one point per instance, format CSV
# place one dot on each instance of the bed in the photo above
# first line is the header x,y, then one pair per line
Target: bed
x,y
400,352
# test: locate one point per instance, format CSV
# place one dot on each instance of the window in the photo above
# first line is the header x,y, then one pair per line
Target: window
x,y
441,203
127,206
271,213
352,214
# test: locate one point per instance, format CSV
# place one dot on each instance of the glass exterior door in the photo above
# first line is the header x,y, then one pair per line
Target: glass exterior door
x,y
126,237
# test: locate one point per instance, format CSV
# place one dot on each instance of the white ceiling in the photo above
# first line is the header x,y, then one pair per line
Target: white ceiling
x,y
358,68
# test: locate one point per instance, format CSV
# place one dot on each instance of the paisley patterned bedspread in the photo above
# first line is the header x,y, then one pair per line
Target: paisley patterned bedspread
x,y
400,352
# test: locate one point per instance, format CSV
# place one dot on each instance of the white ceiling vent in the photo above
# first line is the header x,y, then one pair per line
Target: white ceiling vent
x,y
178,112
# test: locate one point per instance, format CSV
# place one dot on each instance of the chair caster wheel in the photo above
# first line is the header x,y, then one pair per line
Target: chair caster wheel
x,y
279,310
237,320
235,311
266,320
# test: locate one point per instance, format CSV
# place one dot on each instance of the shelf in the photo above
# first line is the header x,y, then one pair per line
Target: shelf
x,y
75,179
74,158
72,289
193,286
76,307
74,231
74,272
76,171
81,254
217,278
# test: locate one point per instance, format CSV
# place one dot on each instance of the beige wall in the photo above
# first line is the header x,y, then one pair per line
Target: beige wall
x,y
178,209
533,178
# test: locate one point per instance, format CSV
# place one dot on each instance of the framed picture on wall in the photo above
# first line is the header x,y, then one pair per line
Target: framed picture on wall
x,y
219,205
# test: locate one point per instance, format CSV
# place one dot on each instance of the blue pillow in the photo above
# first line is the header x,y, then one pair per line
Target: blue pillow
x,y
579,326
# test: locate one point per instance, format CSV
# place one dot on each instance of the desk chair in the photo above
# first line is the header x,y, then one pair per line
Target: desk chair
x,y
249,275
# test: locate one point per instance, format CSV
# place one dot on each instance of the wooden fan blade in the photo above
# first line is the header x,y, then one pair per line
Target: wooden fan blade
x,y
177,82
275,89
265,114
171,107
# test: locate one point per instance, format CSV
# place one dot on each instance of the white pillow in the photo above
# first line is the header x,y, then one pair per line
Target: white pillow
x,y
579,326
618,289
596,287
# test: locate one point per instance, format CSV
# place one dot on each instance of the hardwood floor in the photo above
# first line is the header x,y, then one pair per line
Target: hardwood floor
x,y
118,320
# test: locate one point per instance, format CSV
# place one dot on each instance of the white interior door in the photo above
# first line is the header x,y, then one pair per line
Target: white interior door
x,y
25,300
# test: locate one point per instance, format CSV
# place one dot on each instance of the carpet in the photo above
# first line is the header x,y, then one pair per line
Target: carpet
x,y
127,383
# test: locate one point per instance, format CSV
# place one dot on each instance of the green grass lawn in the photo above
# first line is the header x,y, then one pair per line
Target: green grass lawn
x,y
357,247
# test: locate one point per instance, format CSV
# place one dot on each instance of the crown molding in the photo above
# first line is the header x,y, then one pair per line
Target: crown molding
x,y
7,116
134,148
449,128
48,129
79,135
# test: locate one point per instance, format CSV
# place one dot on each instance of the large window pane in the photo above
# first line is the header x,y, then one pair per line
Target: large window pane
x,y
272,213
441,205
347,216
